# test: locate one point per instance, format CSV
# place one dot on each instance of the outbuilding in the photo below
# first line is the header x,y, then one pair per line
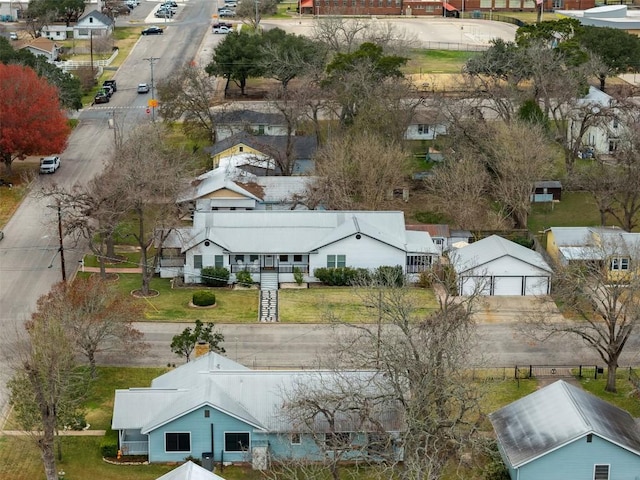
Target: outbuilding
x,y
496,266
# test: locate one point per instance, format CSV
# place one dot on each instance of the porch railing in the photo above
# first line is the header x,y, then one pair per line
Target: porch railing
x,y
135,448
251,268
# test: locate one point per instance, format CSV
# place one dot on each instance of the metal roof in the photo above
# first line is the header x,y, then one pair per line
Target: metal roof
x,y
557,415
257,397
190,471
477,254
303,146
595,242
299,231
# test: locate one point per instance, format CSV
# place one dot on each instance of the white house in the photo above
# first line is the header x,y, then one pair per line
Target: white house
x,y
425,124
94,24
232,122
496,266
43,47
272,244
604,129
230,187
56,31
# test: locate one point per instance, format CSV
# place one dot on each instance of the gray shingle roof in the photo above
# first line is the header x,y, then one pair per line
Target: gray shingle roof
x,y
304,147
101,17
249,117
557,415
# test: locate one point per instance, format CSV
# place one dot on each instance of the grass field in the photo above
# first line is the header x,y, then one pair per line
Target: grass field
x,y
436,61
575,209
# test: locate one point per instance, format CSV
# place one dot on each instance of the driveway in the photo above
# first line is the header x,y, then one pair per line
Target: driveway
x,y
507,309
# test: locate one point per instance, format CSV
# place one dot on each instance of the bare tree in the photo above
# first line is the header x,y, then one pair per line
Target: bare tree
x,y
627,158
48,388
603,295
251,12
423,358
189,96
357,171
149,175
98,317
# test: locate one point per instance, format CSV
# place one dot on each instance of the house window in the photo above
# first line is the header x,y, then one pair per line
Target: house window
x,y
177,442
253,258
295,439
197,261
590,438
236,441
423,129
619,264
284,258
239,259
207,413
219,260
241,149
615,123
336,440
601,472
334,261
260,129
613,144
297,258
418,263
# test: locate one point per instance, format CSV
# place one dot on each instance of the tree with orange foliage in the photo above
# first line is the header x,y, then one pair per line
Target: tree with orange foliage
x,y
31,120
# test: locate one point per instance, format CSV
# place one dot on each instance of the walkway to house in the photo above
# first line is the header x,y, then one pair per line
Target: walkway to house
x,y
111,270
268,311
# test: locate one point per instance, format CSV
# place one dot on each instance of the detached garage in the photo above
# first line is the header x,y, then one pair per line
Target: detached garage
x,y
496,266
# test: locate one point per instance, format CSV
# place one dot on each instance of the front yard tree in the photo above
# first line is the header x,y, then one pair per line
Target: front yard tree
x,y
98,317
237,58
252,12
184,343
188,95
148,175
604,300
48,388
31,121
424,358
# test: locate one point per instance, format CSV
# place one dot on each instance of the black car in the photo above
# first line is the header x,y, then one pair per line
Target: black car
x,y
101,97
152,31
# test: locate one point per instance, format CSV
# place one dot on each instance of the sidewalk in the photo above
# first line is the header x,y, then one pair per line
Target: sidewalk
x,y
111,270
63,433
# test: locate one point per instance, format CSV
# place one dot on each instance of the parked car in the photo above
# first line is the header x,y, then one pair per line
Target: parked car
x,y
49,164
1,234
173,6
163,14
225,12
101,97
143,88
13,36
221,29
153,31
222,24
110,83
230,4
107,90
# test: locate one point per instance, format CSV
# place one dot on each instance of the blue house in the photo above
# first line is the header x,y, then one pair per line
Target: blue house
x,y
215,408
561,432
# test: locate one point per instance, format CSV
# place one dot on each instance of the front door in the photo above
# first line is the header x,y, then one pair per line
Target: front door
x,y
268,261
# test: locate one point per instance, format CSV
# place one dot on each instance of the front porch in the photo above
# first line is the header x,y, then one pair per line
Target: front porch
x,y
132,442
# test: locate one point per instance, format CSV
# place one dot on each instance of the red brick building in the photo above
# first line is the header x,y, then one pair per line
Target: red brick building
x,y
452,8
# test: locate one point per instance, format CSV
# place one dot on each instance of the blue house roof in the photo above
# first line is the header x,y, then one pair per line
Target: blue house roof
x,y
557,415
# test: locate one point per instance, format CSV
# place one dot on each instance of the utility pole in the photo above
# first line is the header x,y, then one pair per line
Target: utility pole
x,y
257,17
58,207
152,102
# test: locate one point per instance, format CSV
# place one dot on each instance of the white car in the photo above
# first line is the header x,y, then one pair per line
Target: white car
x,y
13,36
49,164
143,88
221,29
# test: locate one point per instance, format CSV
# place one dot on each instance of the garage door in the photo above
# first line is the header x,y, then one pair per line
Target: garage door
x,y
536,285
471,285
507,285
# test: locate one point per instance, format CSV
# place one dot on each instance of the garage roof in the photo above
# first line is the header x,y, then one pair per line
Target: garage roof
x,y
492,248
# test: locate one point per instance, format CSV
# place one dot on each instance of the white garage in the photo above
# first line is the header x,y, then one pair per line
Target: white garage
x,y
496,266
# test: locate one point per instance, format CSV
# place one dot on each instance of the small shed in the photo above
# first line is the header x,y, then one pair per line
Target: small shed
x,y
93,24
562,432
547,191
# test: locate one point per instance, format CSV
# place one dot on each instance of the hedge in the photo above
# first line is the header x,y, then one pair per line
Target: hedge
x,y
203,298
215,276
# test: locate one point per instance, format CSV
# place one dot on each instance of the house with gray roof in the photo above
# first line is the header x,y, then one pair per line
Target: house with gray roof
x,y
272,244
229,187
218,408
562,432
94,24
263,148
497,266
232,122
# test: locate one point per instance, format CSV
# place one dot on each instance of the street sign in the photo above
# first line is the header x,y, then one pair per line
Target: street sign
x,y
152,102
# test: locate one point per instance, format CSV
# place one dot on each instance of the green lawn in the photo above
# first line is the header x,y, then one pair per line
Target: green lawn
x,y
314,305
437,61
624,398
576,209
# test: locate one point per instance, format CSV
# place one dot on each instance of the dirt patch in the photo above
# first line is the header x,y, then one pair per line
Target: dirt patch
x,y
138,293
